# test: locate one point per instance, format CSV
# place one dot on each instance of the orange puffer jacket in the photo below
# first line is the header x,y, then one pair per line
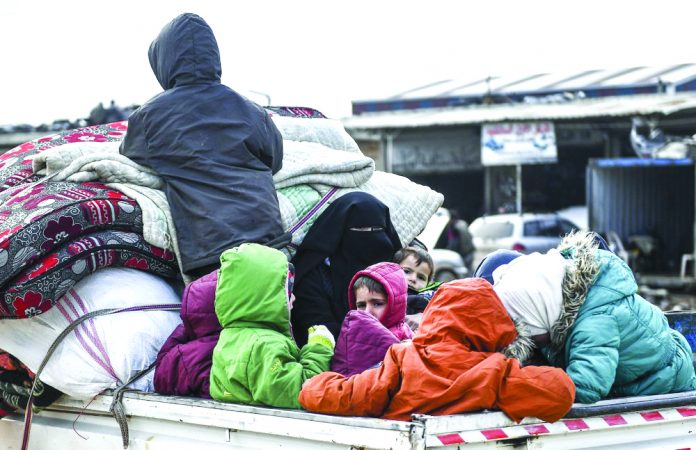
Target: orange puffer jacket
x,y
453,365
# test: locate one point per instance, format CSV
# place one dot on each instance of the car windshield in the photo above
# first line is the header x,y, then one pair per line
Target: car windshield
x,y
491,230
544,227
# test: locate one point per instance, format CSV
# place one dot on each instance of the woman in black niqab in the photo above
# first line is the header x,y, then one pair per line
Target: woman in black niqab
x,y
354,232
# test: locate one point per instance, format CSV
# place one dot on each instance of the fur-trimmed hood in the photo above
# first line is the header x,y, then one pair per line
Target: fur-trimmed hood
x,y
580,249
610,340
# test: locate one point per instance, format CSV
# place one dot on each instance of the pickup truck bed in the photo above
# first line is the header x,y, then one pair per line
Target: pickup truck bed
x,y
177,423
173,423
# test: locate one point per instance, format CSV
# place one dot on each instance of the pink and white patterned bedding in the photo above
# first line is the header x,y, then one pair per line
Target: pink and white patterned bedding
x,y
38,217
15,164
52,234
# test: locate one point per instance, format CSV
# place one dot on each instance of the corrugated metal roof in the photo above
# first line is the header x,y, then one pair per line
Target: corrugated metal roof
x,y
591,83
663,104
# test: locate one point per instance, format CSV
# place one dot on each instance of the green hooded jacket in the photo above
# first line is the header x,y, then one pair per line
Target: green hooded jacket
x,y
256,360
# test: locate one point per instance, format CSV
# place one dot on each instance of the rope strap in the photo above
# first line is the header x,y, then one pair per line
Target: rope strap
x,y
116,405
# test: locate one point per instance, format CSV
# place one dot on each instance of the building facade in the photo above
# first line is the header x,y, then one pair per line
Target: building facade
x,y
433,134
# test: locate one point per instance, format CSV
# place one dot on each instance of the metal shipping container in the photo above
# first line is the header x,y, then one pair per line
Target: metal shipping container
x,y
653,197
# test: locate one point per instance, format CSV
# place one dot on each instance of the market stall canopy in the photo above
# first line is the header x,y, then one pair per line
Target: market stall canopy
x,y
538,88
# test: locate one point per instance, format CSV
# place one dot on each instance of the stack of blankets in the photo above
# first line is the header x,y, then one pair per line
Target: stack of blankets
x,y
54,234
71,206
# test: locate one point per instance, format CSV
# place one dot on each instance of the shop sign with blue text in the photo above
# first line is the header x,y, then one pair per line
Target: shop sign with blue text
x,y
514,143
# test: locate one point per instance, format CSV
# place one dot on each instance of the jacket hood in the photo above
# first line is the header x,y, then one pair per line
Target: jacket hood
x,y
391,276
468,314
252,289
362,343
581,250
185,52
198,307
530,288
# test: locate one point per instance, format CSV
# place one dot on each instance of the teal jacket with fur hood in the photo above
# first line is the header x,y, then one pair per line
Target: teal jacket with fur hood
x,y
256,360
618,344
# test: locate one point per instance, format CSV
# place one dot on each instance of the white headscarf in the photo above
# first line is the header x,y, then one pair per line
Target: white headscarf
x,y
530,288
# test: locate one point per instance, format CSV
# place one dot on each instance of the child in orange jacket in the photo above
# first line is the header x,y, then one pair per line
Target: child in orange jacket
x,y
462,359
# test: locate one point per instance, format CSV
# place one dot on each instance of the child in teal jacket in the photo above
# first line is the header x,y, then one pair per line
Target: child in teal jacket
x,y
584,303
256,360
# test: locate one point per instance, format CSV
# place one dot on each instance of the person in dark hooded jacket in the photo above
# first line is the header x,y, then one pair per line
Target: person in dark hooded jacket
x,y
215,150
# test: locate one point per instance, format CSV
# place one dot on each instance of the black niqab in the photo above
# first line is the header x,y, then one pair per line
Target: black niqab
x,y
354,232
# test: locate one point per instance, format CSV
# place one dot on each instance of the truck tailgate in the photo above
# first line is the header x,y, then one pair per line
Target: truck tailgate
x,y
172,423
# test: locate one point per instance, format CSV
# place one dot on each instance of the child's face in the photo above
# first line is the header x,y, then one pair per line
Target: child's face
x,y
371,302
417,275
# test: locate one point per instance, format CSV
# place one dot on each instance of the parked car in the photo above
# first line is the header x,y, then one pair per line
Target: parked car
x,y
577,215
448,264
525,233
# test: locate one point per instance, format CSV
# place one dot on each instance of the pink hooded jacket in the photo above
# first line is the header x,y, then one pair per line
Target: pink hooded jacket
x,y
391,277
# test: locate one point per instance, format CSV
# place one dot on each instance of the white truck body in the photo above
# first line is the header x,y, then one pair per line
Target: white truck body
x,y
177,423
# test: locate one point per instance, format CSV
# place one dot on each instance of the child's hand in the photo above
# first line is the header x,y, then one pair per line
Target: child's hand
x,y
319,334
413,321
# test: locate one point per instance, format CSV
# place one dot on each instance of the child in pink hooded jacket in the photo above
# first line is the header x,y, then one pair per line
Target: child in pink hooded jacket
x,y
392,279
377,299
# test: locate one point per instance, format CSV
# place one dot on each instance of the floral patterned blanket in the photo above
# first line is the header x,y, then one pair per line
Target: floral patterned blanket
x,y
40,285
52,234
38,217
15,164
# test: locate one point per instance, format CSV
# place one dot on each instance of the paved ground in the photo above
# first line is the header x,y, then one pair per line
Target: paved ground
x,y
670,293
679,302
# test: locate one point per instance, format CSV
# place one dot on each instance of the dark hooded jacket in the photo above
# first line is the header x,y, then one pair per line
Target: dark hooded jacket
x,y
215,150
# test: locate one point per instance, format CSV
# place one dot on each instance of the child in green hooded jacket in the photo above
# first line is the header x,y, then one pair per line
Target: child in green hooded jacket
x,y
256,360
